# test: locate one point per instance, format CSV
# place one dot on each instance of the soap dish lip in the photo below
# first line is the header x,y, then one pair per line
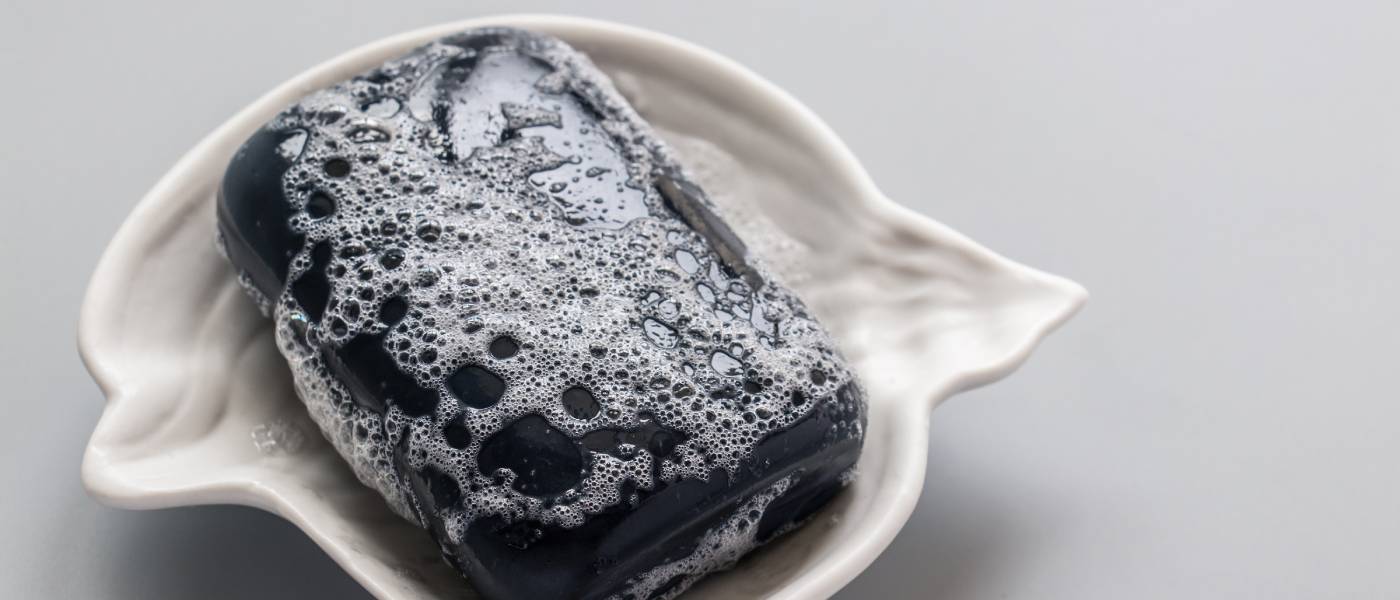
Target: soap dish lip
x,y
133,383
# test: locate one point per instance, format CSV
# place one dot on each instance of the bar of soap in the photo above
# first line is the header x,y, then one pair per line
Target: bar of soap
x,y
514,315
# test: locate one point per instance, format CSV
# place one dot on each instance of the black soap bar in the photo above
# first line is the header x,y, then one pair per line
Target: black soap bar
x,y
511,311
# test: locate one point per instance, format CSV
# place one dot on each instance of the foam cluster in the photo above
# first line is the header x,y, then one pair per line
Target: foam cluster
x,y
509,291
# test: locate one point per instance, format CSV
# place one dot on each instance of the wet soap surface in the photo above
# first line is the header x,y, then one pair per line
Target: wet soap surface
x,y
517,318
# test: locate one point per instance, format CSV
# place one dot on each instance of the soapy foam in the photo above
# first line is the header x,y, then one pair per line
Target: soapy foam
x,y
717,550
435,230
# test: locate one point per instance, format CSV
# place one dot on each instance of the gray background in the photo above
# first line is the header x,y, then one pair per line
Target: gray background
x,y
1222,421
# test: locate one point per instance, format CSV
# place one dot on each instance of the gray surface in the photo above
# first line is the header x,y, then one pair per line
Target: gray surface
x,y
1221,422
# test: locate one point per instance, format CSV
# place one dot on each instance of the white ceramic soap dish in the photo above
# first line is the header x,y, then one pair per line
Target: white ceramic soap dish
x,y
200,404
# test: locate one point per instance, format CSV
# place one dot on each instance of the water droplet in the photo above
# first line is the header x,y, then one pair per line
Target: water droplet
x,y
687,261
367,133
659,333
382,108
668,310
725,364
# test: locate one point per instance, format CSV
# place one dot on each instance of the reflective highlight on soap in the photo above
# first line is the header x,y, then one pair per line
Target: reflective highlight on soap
x,y
509,308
